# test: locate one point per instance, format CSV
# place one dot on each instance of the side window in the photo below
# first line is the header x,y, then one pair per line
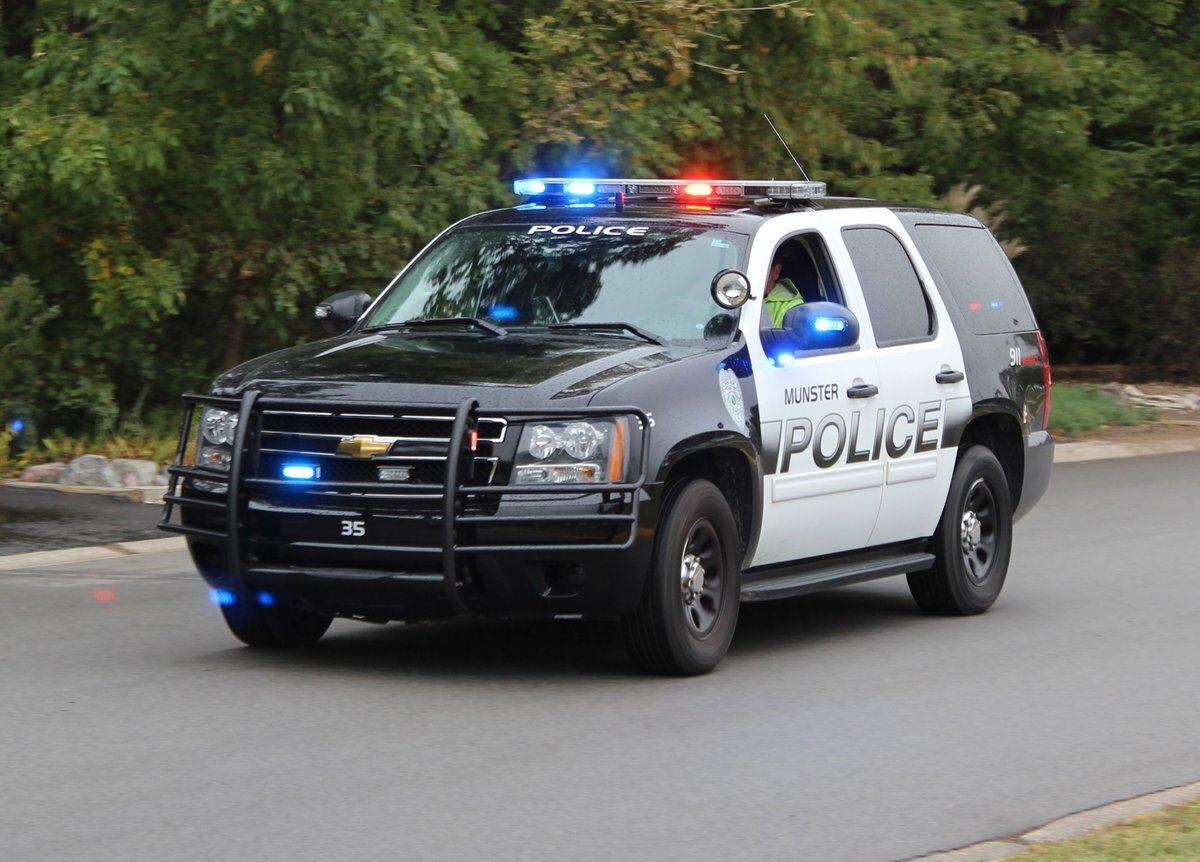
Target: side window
x,y
897,304
977,275
805,273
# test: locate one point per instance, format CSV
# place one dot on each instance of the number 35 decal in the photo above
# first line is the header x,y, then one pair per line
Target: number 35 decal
x,y
354,528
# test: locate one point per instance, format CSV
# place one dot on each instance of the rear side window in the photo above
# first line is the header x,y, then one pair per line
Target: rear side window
x,y
972,268
895,300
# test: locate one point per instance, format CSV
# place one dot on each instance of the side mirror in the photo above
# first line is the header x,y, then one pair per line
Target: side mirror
x,y
340,311
812,326
730,288
821,326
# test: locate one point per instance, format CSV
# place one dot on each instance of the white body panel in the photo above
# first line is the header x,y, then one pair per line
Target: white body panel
x,y
834,485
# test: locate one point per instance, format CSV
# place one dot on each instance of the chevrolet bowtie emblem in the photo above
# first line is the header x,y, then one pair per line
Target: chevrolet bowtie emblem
x,y
365,446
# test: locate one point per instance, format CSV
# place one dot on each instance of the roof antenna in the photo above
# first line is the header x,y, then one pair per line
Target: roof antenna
x,y
785,146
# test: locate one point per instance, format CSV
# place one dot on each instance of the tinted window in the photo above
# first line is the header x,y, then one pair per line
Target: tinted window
x,y
973,269
897,304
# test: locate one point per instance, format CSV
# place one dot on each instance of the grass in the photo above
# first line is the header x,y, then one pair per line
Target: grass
x,y
1079,409
1170,834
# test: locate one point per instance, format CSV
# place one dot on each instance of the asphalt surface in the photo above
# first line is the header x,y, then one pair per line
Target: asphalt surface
x,y
842,726
37,520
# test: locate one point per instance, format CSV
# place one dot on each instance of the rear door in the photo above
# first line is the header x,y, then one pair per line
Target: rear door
x,y
922,383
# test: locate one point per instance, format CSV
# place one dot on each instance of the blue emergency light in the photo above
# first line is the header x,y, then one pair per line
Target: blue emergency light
x,y
301,472
223,598
829,324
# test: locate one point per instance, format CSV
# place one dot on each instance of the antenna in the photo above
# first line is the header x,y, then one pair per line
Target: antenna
x,y
799,167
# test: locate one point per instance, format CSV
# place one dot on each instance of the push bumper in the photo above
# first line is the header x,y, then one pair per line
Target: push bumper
x,y
434,549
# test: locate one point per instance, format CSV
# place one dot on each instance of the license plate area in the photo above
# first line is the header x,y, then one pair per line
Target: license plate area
x,y
359,528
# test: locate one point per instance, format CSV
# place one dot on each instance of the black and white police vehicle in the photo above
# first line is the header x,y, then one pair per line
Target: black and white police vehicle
x,y
580,406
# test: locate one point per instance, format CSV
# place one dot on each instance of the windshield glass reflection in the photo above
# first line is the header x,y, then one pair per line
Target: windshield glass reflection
x,y
658,281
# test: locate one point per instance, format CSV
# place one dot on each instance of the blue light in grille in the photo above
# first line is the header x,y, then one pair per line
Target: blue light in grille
x,y
300,472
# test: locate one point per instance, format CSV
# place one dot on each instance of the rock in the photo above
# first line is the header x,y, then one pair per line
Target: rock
x,y
48,473
135,473
92,470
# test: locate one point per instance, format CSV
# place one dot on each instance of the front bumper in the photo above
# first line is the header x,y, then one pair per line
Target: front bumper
x,y
420,550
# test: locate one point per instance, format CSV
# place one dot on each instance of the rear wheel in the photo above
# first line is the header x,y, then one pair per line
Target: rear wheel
x,y
685,620
973,541
274,626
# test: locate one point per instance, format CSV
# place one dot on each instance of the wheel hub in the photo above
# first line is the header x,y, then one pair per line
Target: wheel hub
x,y
972,531
691,578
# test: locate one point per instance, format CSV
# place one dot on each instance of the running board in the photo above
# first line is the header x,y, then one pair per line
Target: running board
x,y
796,579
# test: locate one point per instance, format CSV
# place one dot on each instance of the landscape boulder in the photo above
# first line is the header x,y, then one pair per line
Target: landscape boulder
x,y
135,473
47,473
93,470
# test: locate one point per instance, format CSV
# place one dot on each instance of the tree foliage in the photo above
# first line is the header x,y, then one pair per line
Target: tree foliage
x,y
180,181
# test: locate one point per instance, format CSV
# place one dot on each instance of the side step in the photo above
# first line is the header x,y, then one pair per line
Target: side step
x,y
810,576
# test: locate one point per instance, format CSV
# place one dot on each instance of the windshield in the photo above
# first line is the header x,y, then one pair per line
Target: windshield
x,y
656,277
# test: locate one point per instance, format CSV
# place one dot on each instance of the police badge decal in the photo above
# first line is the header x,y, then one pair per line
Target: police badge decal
x,y
731,394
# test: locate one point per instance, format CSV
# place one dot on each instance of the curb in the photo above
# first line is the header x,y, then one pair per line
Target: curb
x,y
1100,450
138,494
1071,826
93,552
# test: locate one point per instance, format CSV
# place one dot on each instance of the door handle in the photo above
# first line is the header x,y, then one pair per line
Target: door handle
x,y
862,390
948,376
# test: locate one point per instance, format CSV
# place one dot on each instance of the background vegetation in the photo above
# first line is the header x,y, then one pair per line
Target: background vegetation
x,y
180,181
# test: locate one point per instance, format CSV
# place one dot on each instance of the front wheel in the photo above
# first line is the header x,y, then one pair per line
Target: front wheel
x,y
274,626
973,541
685,620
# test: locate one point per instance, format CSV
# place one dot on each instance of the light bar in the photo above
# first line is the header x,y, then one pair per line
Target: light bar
x,y
574,189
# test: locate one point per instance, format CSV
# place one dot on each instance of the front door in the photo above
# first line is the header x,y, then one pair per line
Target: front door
x,y
822,487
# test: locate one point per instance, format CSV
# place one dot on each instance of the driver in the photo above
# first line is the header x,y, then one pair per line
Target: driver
x,y
782,295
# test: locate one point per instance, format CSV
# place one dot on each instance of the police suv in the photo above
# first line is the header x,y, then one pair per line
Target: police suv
x,y
581,407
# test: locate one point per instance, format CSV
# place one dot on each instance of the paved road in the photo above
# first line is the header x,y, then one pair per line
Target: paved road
x,y
841,726
32,519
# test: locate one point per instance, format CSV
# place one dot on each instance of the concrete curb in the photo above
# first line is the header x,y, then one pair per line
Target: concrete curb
x,y
1100,450
94,552
1071,826
138,494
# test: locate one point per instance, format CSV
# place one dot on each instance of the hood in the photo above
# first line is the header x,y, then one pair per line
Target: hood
x,y
516,369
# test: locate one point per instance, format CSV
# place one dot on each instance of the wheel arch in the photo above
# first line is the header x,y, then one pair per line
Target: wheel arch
x,y
733,466
999,431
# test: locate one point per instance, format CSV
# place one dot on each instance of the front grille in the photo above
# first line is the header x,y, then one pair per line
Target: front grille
x,y
409,428
404,442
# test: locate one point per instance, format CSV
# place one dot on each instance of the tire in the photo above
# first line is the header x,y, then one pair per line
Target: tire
x,y
257,626
678,629
973,541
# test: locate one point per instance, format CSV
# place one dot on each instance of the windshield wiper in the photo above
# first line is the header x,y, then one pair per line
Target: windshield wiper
x,y
611,327
485,325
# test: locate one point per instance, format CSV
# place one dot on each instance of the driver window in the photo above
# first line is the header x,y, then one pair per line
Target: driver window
x,y
800,272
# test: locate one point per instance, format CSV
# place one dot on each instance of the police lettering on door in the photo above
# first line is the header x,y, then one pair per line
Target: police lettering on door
x,y
865,437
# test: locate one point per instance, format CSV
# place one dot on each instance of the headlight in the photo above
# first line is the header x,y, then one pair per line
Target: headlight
x,y
217,430
557,453
218,426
